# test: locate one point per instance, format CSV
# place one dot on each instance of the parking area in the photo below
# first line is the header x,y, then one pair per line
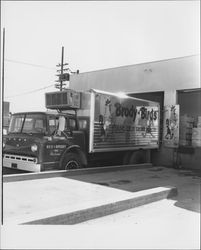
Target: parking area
x,y
99,184
175,220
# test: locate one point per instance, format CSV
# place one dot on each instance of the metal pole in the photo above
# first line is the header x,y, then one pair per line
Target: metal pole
x,y
3,56
62,66
1,123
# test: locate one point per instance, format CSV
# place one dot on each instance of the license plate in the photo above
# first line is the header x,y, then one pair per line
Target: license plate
x,y
13,165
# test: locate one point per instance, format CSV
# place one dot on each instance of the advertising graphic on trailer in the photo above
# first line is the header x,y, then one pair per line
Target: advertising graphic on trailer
x,y
124,122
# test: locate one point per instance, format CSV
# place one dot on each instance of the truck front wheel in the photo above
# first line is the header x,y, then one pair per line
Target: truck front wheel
x,y
71,161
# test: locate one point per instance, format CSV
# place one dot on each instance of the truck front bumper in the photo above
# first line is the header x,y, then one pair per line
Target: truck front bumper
x,y
21,162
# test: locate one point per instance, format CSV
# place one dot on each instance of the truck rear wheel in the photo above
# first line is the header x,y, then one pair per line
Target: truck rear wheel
x,y
126,158
71,161
138,157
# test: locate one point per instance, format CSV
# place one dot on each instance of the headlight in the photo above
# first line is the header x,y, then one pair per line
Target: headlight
x,y
34,148
4,144
5,132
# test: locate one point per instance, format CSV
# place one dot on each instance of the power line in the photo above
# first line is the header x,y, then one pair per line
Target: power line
x,y
29,64
30,92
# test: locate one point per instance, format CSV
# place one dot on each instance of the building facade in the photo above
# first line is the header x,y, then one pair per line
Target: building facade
x,y
171,82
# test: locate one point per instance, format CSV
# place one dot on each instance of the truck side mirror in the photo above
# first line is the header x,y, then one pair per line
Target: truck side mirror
x,y
61,123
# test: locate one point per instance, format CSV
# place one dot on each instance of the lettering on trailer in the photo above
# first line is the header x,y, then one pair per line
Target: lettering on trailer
x,y
147,122
124,123
131,112
125,111
125,128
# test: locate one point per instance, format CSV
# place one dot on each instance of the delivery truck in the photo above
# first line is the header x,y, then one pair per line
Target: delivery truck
x,y
81,129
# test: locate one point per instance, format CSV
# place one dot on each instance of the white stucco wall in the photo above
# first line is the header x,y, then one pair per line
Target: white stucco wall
x,y
167,75
170,97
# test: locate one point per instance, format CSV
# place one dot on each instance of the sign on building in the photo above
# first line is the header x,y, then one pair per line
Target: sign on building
x,y
171,126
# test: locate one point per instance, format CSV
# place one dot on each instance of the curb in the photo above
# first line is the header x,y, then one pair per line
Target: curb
x,y
61,173
133,200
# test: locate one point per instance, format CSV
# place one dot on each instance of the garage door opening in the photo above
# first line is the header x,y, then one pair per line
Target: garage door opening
x,y
190,117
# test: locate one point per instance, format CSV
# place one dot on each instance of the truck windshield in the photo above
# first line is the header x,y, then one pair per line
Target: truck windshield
x,y
29,123
16,124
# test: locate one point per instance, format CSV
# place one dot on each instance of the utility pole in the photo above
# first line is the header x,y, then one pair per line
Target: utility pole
x,y
3,60
63,77
62,68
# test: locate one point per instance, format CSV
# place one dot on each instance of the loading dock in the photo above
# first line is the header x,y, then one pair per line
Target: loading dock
x,y
173,77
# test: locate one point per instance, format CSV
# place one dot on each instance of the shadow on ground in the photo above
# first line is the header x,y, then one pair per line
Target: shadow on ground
x,y
6,171
187,182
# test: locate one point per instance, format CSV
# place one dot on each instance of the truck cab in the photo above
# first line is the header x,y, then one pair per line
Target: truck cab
x,y
39,141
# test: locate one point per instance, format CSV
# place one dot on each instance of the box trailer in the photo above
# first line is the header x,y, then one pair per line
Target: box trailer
x,y
118,122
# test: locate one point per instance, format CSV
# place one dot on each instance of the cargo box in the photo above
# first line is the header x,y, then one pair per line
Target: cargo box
x,y
186,119
196,133
199,119
120,122
185,142
184,125
196,143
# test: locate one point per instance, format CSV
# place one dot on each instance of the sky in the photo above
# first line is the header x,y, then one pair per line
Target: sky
x,y
95,35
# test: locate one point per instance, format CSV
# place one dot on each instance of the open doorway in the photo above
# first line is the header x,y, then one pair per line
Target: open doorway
x,y
190,117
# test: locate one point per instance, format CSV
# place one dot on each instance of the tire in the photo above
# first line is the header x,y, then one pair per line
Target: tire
x,y
71,161
138,157
126,158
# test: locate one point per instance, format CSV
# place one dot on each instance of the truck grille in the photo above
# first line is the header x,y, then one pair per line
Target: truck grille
x,y
20,158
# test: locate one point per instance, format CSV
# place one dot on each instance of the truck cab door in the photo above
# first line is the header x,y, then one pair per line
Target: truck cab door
x,y
77,136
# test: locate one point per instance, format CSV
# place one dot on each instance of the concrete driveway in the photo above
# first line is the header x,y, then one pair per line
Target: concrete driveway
x,y
187,182
166,224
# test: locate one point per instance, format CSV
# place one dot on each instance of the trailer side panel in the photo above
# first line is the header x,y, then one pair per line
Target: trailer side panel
x,y
122,123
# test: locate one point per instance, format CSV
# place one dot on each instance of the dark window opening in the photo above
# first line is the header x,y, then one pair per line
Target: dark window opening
x,y
190,117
